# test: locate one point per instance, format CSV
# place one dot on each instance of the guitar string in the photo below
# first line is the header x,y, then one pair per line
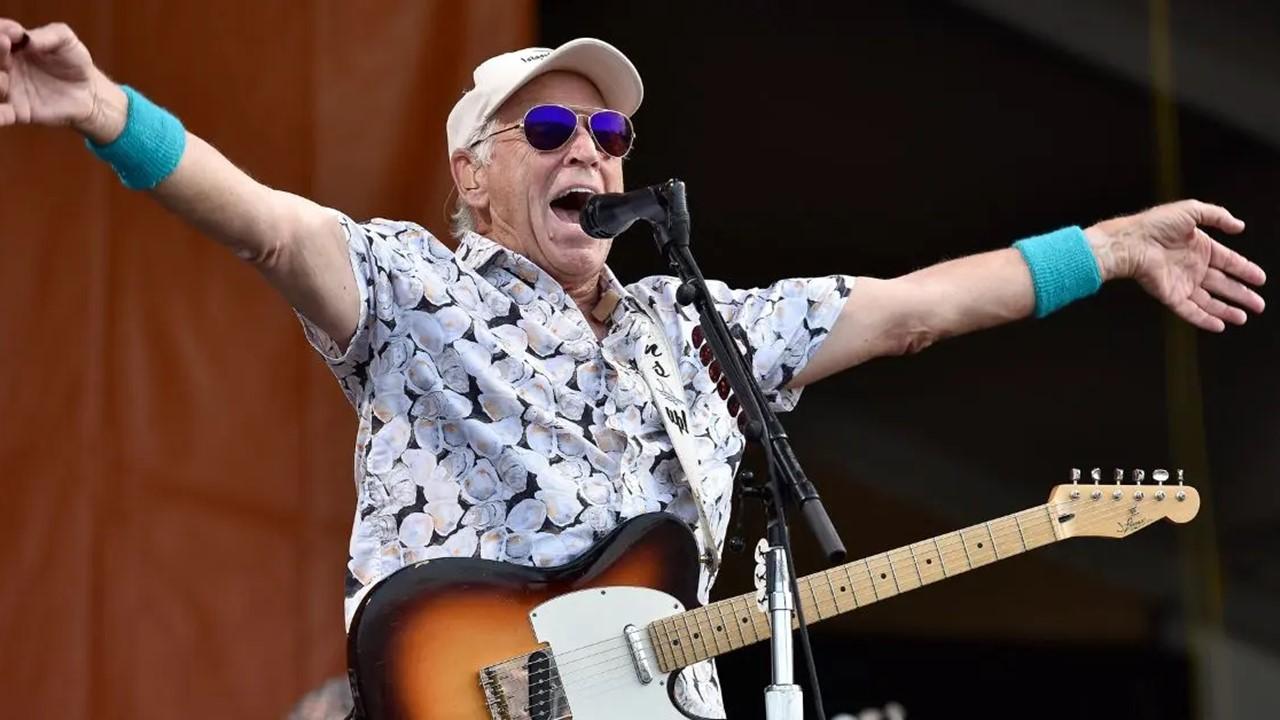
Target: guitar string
x,y
622,651
575,656
604,674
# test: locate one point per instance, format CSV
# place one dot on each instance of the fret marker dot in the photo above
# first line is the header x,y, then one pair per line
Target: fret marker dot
x,y
928,561
695,636
719,628
675,642
744,621
883,576
979,546
842,588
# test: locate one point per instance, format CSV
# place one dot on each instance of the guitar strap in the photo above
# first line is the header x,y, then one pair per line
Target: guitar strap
x,y
662,375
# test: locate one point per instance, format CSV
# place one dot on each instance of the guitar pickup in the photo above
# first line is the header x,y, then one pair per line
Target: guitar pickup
x,y
639,658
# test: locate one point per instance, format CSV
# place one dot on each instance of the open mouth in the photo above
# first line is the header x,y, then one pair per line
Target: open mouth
x,y
568,205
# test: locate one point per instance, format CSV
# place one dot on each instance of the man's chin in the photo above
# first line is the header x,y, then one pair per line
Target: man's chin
x,y
569,233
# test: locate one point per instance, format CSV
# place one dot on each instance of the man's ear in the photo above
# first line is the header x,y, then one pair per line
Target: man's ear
x,y
468,178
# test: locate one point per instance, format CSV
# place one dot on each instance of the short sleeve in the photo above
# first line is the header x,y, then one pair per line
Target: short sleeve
x,y
380,256
783,326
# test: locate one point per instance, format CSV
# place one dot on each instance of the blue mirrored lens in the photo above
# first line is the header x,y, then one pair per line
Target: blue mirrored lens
x,y
547,127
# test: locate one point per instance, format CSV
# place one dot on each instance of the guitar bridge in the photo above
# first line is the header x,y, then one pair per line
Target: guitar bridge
x,y
527,687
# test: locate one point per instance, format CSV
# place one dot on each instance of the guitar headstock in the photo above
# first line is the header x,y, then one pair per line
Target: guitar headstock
x,y
1118,509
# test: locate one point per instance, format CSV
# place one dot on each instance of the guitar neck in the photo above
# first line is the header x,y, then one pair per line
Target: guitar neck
x,y
689,637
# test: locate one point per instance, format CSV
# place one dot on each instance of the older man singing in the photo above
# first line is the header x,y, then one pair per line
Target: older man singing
x,y
502,411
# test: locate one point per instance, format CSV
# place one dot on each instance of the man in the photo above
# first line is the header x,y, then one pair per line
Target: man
x,y
503,410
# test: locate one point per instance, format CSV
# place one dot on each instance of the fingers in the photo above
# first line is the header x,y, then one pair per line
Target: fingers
x,y
1213,216
1217,308
1194,314
1233,263
12,30
50,38
1216,282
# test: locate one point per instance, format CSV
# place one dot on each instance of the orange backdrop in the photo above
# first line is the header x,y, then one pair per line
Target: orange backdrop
x,y
176,464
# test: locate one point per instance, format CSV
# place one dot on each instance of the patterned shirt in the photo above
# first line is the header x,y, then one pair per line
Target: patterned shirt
x,y
494,424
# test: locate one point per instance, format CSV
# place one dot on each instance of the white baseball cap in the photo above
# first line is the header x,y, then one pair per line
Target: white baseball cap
x,y
498,78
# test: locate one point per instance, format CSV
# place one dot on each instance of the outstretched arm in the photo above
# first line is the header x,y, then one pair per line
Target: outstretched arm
x,y
1164,249
47,77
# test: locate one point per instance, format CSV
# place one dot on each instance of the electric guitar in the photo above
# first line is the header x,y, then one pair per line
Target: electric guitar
x,y
603,637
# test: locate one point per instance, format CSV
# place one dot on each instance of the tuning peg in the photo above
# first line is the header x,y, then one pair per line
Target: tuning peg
x,y
1138,476
1160,475
1096,474
1179,476
1075,480
1182,494
1118,474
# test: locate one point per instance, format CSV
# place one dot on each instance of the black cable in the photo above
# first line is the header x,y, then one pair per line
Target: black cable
x,y
815,691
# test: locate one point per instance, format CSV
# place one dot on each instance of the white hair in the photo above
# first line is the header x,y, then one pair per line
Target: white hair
x,y
461,219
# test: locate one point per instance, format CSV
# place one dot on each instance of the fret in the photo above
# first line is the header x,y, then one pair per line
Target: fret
x,y
942,558
706,627
698,643
882,576
980,552
1036,528
967,560
1053,524
901,571
728,616
824,600
843,589
716,620
679,642
814,612
743,618
867,587
847,587
915,561
655,641
997,536
667,652
932,564
831,588
1021,534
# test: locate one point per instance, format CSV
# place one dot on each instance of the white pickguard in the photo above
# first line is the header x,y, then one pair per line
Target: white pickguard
x,y
585,631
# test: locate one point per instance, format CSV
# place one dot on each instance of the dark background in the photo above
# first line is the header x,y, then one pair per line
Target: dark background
x,y
876,138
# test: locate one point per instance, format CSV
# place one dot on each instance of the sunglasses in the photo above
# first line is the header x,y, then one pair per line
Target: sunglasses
x,y
550,127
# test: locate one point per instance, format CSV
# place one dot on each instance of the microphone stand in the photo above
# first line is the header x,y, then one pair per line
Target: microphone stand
x,y
787,480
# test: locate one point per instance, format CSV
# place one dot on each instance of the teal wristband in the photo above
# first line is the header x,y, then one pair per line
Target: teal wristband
x,y
149,148
1062,266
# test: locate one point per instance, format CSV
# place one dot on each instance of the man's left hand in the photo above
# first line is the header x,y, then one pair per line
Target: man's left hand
x,y
1203,281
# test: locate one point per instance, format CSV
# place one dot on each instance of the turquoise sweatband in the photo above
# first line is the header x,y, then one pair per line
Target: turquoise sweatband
x,y
1062,266
149,148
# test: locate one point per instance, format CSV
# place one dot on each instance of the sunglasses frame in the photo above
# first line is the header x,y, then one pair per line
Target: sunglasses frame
x,y
577,116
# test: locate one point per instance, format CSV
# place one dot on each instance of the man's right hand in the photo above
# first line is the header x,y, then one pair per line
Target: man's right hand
x,y
47,77
50,80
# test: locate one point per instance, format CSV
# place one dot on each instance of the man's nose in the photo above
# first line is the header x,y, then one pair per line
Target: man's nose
x,y
582,147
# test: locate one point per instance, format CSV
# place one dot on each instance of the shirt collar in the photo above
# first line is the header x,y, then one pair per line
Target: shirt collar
x,y
479,254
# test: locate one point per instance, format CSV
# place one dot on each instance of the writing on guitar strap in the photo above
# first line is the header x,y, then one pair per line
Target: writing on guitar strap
x,y
657,366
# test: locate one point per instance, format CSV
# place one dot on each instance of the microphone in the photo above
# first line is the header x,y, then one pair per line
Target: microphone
x,y
608,214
